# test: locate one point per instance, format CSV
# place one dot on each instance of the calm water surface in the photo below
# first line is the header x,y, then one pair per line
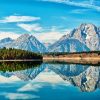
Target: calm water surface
x,y
42,81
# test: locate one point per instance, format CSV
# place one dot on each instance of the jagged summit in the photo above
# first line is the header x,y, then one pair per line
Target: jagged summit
x,y
87,35
25,37
27,42
83,37
87,25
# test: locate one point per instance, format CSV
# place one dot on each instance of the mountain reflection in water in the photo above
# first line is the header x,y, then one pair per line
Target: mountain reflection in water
x,y
33,75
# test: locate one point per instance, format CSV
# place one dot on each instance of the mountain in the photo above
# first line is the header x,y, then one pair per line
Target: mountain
x,y
83,38
88,34
86,77
68,45
27,42
5,41
68,70
87,81
29,74
25,75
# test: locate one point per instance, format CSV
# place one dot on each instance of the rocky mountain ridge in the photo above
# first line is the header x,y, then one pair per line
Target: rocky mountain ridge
x,y
86,34
84,38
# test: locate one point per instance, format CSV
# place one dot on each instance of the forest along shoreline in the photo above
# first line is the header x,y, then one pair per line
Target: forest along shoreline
x,y
21,60
19,55
74,57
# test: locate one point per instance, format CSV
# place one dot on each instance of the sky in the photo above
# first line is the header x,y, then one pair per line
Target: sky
x,y
47,20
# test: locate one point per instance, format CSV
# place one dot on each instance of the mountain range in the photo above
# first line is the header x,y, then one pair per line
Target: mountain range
x,y
84,38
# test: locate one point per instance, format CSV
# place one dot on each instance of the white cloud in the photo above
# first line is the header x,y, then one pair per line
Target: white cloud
x,y
51,36
48,36
19,19
80,4
30,27
8,34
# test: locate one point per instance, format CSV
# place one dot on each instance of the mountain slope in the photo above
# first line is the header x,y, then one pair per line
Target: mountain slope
x,y
68,45
29,74
27,42
88,34
87,78
83,38
26,75
5,41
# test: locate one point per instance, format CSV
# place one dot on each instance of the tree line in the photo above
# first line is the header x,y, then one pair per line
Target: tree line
x,y
17,54
67,53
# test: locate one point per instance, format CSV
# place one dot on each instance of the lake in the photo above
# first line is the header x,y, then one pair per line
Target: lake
x,y
49,81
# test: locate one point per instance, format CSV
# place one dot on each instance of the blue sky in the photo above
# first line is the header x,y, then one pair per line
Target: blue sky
x,y
46,17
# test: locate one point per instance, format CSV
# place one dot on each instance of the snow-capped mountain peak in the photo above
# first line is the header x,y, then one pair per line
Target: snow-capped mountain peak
x,y
85,37
87,34
27,42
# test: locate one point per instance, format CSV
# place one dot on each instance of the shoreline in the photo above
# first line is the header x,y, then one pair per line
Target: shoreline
x,y
58,59
71,58
74,60
65,60
19,60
